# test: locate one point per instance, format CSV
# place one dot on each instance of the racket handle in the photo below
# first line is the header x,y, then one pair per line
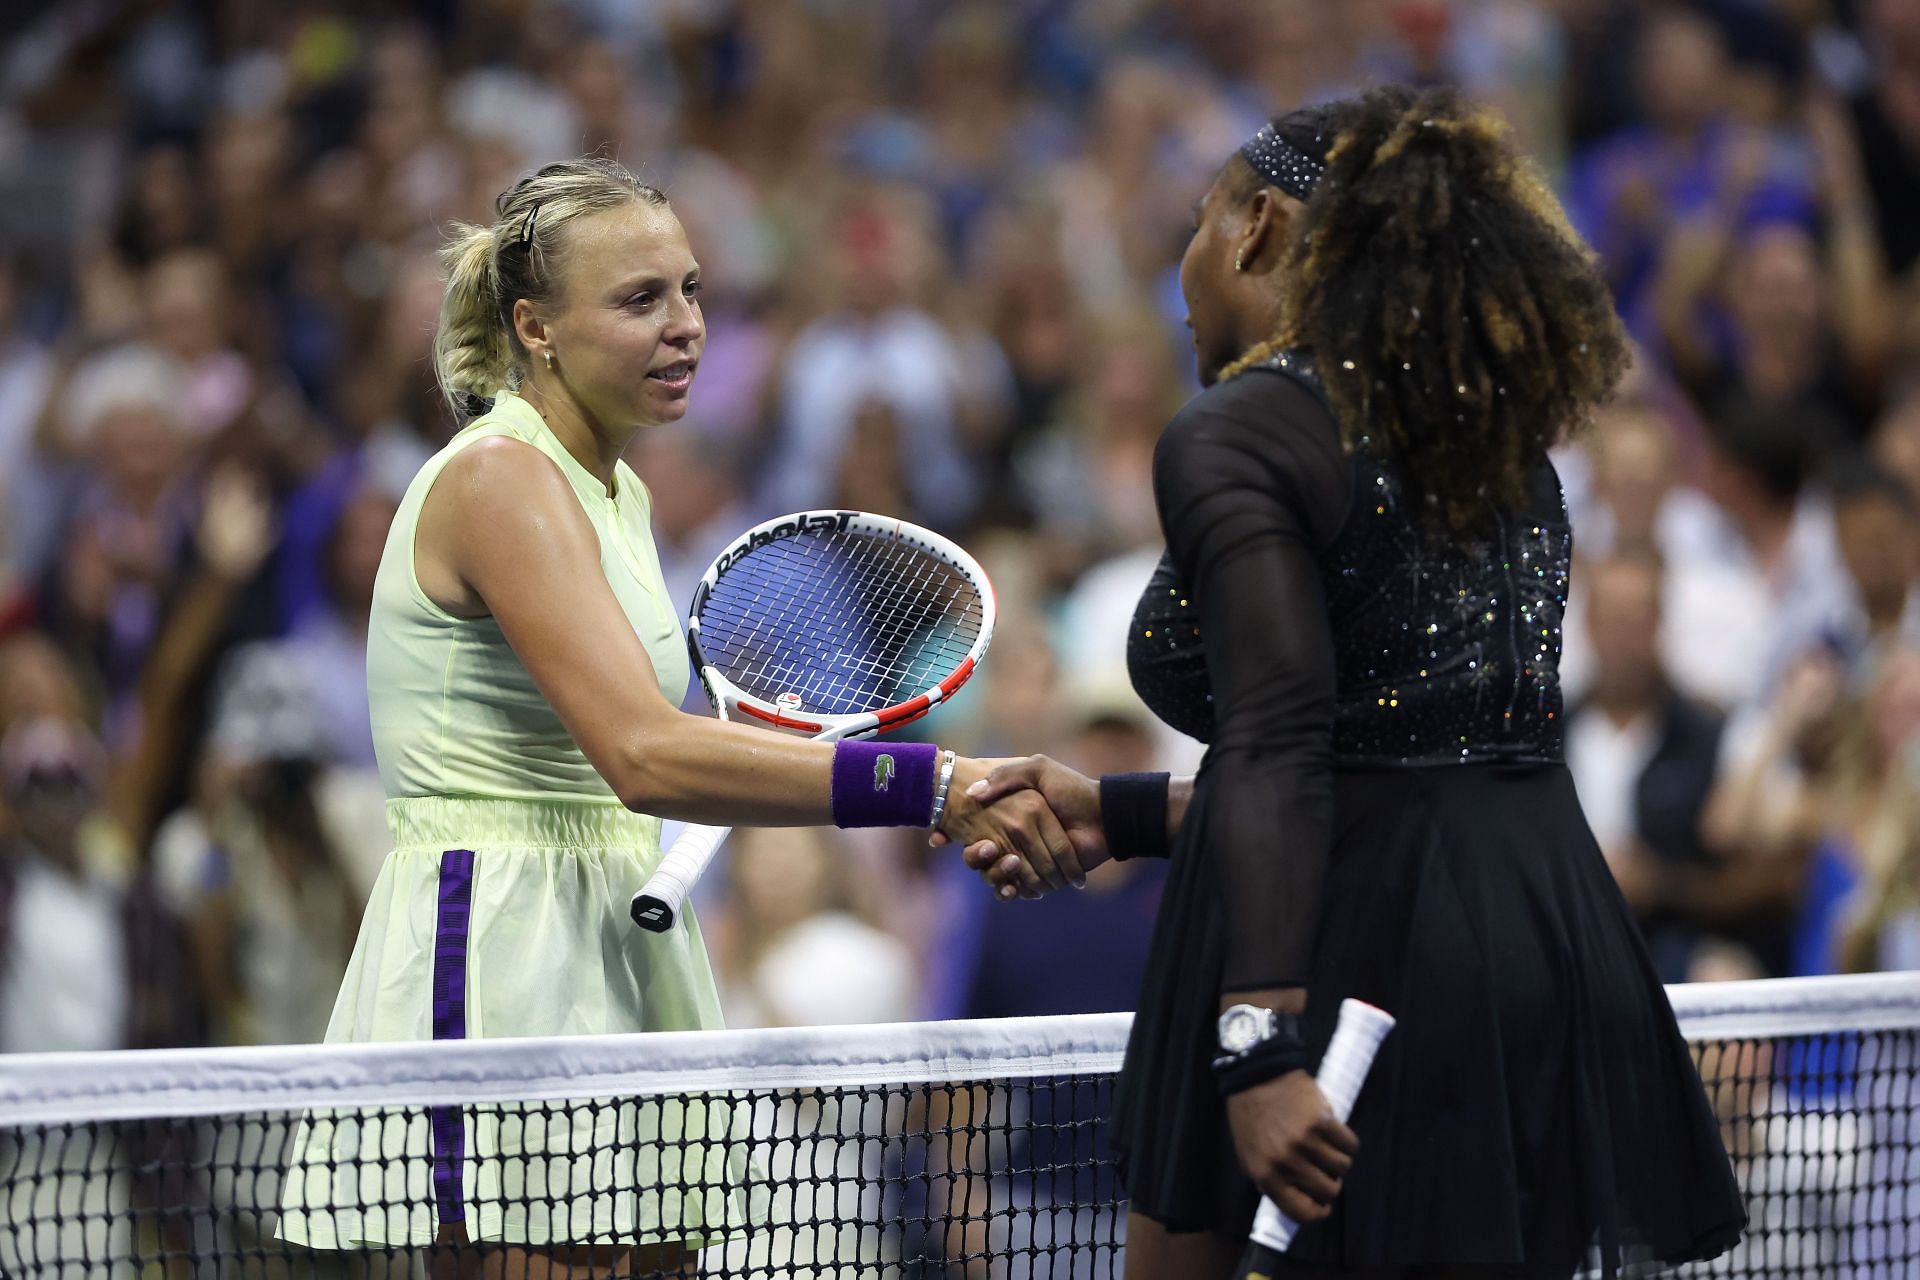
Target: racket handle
x,y
659,903
1356,1038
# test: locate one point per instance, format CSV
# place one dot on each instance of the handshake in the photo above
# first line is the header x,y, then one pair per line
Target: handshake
x,y
1026,825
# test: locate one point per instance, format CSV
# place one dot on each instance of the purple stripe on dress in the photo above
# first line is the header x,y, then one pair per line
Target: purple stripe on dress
x,y
450,1023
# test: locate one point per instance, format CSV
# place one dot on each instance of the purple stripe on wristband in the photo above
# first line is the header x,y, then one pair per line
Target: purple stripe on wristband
x,y
448,1124
884,784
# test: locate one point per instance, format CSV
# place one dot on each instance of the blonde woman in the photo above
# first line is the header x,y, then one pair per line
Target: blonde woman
x,y
524,672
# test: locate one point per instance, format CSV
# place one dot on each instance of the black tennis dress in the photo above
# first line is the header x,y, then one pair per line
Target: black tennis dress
x,y
1383,812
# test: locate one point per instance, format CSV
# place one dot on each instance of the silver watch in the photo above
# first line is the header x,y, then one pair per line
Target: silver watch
x,y
1243,1026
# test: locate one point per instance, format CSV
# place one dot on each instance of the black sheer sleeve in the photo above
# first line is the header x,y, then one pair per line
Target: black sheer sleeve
x,y
1252,482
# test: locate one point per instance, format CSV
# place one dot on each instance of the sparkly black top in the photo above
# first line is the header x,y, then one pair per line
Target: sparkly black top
x,y
1302,620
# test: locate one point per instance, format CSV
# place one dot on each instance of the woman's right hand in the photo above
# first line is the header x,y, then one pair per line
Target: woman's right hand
x,y
1018,819
1074,800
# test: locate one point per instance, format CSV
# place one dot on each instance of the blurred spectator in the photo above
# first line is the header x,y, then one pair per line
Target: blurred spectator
x,y
190,313
1775,567
163,209
876,345
611,119
1637,499
1864,795
1689,157
1882,930
1822,798
1803,326
270,889
1877,525
789,951
874,465
26,374
130,525
1896,440
329,643
735,239
697,509
36,682
1093,942
1642,756
939,249
1886,112
90,960
1087,478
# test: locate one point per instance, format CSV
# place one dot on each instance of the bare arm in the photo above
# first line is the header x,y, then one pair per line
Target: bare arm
x,y
1693,256
1863,313
234,535
1749,812
1692,259
502,533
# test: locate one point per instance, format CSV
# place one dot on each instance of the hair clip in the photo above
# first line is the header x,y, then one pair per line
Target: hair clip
x,y
526,228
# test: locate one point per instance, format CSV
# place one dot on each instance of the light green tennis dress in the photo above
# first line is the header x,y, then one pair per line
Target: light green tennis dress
x,y
507,890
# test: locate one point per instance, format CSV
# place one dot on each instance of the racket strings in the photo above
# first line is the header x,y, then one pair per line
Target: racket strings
x,y
849,622
858,659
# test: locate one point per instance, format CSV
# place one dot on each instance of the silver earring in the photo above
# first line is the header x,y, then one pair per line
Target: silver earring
x,y
549,356
1240,260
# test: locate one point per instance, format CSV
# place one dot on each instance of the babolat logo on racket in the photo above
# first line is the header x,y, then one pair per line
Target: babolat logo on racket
x,y
825,521
882,772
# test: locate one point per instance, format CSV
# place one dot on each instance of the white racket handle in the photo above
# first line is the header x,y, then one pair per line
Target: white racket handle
x,y
661,899
1356,1038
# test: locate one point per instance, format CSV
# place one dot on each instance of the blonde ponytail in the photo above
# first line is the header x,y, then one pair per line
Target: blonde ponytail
x,y
472,348
476,352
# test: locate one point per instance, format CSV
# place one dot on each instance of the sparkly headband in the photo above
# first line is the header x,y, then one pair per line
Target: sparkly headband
x,y
1282,164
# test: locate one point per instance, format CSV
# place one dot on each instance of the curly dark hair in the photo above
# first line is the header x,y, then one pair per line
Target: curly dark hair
x,y
1457,319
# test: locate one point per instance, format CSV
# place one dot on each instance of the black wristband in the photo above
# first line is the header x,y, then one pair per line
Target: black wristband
x,y
1133,812
1269,1060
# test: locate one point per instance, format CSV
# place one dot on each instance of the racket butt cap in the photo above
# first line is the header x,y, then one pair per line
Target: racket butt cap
x,y
651,914
1259,1263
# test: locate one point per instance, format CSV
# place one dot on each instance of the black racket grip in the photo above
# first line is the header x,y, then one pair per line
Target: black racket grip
x,y
651,913
1259,1262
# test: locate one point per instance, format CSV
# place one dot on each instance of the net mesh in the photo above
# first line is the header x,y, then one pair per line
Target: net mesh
x,y
937,1150
847,622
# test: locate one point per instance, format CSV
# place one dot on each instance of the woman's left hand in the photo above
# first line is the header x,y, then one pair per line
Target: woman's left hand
x,y
1023,823
1290,1144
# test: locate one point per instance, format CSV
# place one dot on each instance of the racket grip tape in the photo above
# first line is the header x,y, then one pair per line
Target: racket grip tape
x,y
660,901
1356,1039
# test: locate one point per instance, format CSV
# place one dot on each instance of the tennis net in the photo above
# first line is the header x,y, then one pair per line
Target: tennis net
x,y
959,1149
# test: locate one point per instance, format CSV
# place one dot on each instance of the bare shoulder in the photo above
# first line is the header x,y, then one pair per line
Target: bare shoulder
x,y
499,502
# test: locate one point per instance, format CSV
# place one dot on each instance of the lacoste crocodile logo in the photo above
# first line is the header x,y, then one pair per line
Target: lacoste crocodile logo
x,y
882,772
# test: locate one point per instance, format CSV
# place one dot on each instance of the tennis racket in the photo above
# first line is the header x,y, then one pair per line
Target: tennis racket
x,y
1356,1038
832,624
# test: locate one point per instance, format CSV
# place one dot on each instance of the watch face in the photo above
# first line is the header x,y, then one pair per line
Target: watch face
x,y
1240,1029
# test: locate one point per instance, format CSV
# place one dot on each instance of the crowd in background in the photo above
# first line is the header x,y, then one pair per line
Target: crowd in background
x,y
939,242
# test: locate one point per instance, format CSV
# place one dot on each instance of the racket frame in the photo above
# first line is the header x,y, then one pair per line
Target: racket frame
x,y
734,703
659,903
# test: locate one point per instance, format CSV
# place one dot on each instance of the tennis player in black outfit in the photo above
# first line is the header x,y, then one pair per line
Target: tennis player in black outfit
x,y
1359,611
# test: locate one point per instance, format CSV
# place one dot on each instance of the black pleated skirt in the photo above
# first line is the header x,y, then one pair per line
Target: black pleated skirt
x,y
1535,1102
